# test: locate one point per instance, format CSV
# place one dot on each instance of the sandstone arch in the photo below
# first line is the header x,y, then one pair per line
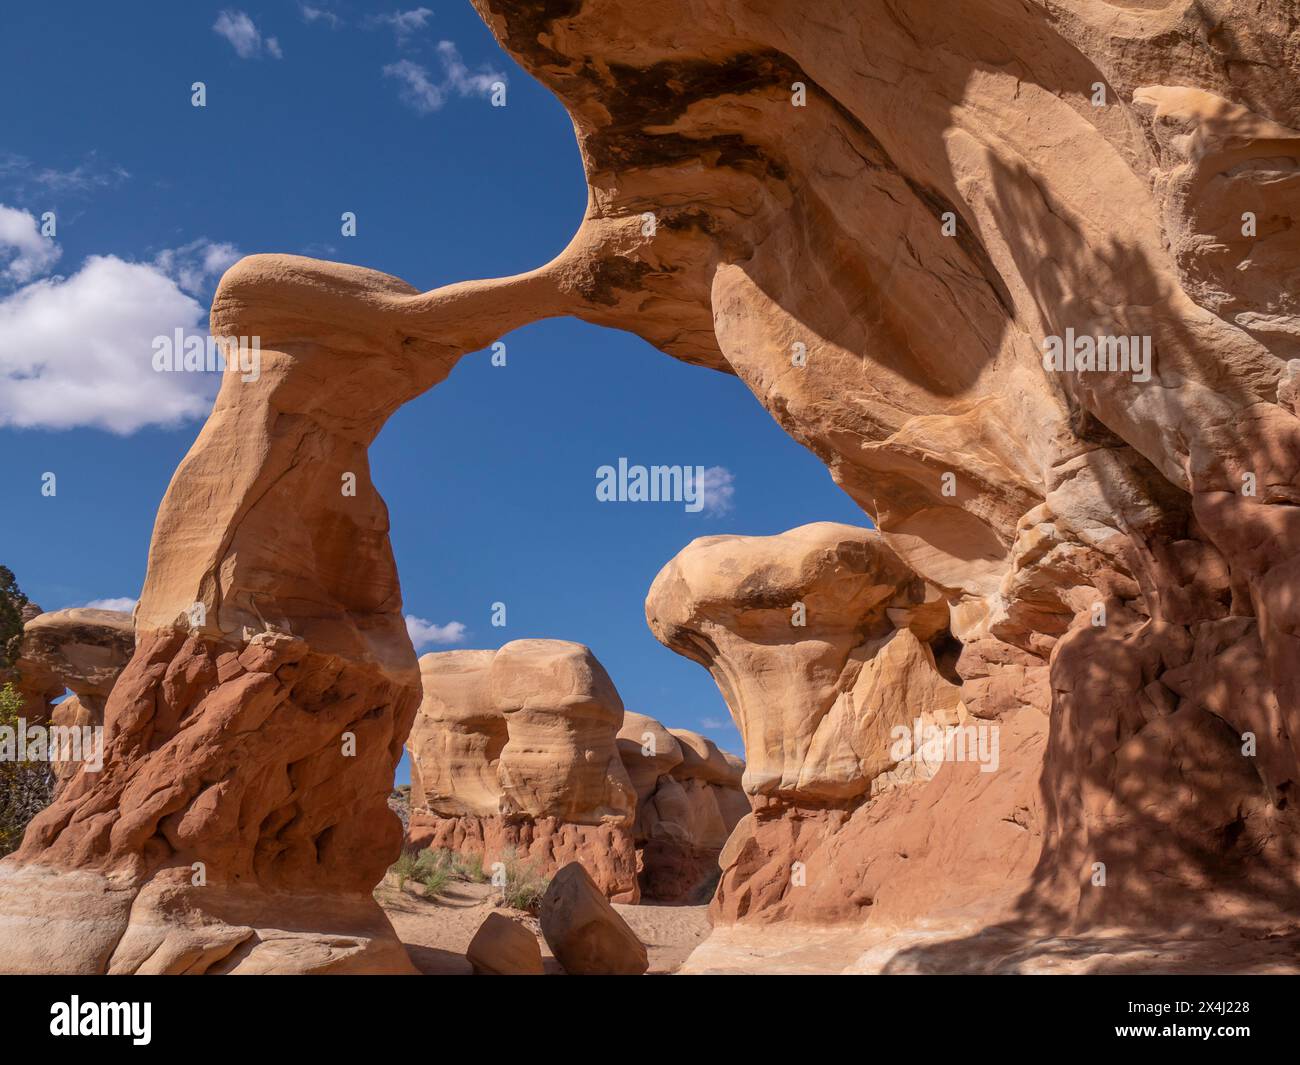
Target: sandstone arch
x,y
777,226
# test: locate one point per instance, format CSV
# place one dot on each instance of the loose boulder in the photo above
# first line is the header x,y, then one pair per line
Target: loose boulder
x,y
504,947
584,932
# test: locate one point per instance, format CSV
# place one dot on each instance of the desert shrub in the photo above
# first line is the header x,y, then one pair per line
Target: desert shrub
x,y
26,787
432,860
470,866
405,868
522,887
436,867
435,881
456,866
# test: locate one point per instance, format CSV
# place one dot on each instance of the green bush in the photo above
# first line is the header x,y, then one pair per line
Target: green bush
x,y
435,868
26,788
523,887
470,867
12,602
435,881
405,868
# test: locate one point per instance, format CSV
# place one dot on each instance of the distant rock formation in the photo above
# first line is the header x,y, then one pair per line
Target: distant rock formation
x,y
77,649
688,803
1018,273
528,751
513,753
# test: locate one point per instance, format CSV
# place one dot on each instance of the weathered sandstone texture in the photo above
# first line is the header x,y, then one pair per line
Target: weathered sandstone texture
x,y
77,649
504,947
877,216
688,802
528,751
513,753
829,651
584,932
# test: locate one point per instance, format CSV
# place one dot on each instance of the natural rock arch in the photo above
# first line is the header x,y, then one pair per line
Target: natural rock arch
x,y
777,226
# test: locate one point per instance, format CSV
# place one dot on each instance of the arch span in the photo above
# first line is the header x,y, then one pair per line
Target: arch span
x,y
944,199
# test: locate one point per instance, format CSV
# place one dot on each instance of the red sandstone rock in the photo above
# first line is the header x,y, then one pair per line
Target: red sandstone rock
x,y
583,930
504,947
80,649
1119,557
513,754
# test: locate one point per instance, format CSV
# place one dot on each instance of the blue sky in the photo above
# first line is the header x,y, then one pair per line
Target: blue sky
x,y
313,110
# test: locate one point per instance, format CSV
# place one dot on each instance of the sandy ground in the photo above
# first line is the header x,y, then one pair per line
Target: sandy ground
x,y
437,932
679,939
792,949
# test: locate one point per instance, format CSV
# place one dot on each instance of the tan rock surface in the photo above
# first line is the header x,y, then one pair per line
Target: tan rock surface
x,y
457,737
688,802
583,930
81,649
792,628
947,199
514,756
562,716
503,947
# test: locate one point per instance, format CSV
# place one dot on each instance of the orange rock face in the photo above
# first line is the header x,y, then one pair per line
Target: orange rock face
x,y
80,649
1019,274
688,803
513,754
527,751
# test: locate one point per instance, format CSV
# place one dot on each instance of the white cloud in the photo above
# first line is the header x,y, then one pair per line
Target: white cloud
x,y
244,36
417,90
21,173
196,265
319,14
420,91
717,490
404,23
458,77
77,351
123,604
423,633
24,252
715,723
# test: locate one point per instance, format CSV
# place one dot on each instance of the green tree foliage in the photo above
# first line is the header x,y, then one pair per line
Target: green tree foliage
x,y
12,602
26,787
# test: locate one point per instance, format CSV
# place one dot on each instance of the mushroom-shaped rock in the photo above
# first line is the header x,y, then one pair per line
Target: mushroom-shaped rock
x,y
562,714
79,648
790,627
513,753
648,751
504,947
584,932
457,737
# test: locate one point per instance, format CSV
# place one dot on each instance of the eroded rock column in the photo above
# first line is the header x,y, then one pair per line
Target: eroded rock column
x,y
240,819
513,756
